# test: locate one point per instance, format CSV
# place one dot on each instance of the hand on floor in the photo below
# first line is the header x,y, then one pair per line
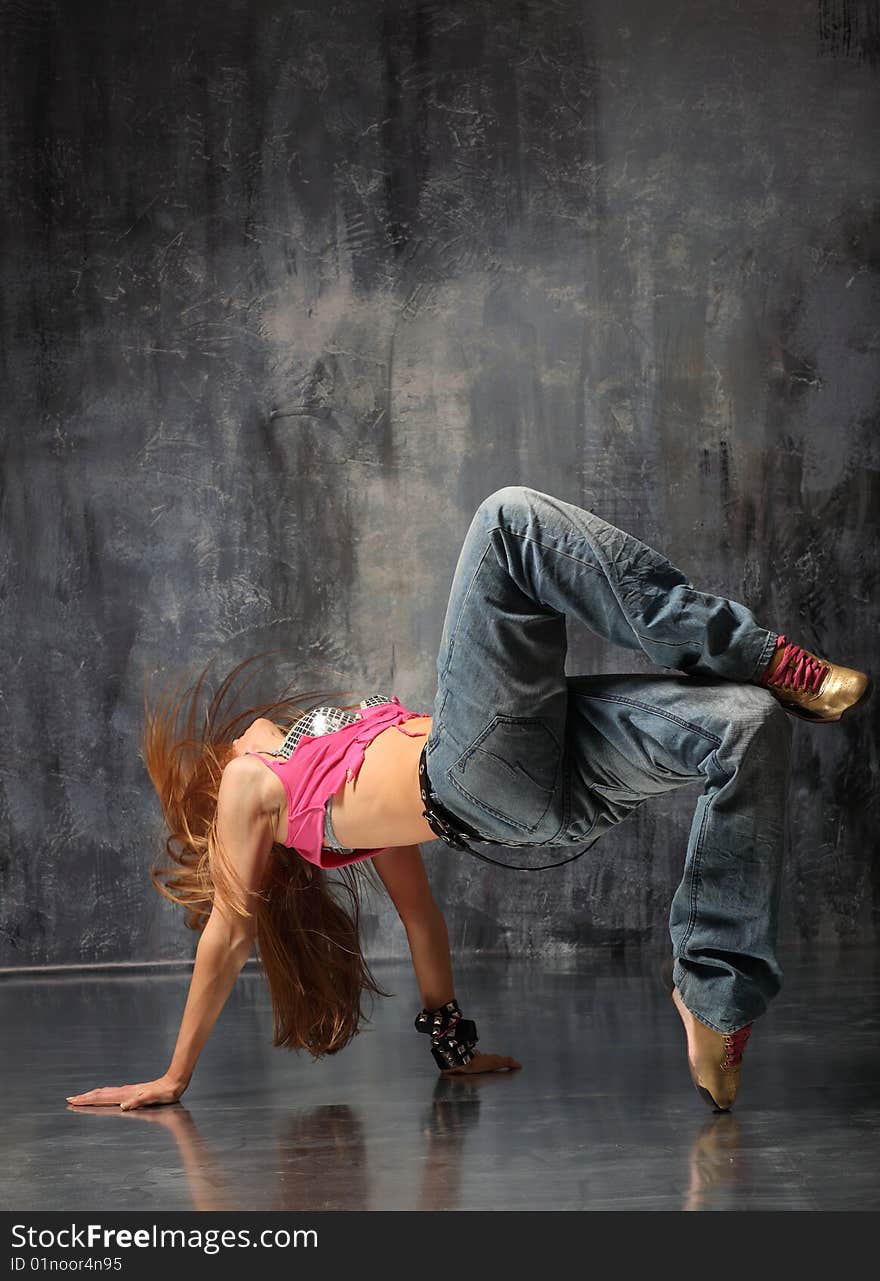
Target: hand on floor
x,y
484,1063
129,1097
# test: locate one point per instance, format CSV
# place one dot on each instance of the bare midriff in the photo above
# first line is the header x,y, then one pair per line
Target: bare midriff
x,y
383,805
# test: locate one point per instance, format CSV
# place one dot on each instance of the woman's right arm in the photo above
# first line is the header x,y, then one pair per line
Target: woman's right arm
x,y
246,833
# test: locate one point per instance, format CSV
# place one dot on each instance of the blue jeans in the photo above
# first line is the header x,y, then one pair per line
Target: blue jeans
x,y
530,756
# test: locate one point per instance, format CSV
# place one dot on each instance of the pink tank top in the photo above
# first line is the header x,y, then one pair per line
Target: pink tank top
x,y
318,767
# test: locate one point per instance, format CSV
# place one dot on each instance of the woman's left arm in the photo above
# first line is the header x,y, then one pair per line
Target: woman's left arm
x,y
403,874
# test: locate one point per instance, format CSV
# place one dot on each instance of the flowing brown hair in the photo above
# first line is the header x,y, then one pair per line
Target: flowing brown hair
x,y
308,941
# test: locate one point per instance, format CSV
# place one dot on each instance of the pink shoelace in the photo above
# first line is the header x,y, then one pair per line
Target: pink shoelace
x,y
734,1046
797,670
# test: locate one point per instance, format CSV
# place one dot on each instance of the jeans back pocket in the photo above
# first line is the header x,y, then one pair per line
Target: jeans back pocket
x,y
510,770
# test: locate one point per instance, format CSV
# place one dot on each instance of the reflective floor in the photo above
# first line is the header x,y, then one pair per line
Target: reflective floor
x,y
601,1116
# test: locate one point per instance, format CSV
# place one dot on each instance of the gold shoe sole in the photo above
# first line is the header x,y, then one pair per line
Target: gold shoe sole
x,y
707,1098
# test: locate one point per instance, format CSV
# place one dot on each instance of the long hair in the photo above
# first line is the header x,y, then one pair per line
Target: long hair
x,y
308,940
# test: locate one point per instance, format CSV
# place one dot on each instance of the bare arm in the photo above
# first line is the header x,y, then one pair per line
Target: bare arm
x,y
220,956
225,944
403,874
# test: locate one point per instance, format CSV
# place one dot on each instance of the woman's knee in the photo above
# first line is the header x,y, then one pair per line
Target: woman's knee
x,y
767,707
508,501
757,712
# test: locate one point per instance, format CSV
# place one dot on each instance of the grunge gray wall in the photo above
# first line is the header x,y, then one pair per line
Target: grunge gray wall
x,y
288,288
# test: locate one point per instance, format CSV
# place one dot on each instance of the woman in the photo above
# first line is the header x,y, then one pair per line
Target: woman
x,y
516,753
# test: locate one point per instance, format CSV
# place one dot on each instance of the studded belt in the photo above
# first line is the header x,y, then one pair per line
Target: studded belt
x,y
449,827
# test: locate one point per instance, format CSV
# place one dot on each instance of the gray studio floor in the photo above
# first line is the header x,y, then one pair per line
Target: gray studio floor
x,y
602,1116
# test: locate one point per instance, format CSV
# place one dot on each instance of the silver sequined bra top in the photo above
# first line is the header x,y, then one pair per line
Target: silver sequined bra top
x,y
322,720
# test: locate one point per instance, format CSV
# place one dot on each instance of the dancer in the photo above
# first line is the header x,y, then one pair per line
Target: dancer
x,y
515,754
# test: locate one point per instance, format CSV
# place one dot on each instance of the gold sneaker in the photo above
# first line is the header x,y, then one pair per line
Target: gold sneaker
x,y
812,687
714,1058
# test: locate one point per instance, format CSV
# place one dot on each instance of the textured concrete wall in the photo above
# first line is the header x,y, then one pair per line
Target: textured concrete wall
x,y
290,288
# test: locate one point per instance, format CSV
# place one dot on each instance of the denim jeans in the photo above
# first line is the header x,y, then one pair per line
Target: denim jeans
x,y
528,755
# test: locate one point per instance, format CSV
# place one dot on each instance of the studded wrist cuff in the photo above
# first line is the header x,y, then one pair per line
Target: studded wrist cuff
x,y
452,1037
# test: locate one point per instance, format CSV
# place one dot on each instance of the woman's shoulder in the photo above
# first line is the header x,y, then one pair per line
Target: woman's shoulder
x,y
246,777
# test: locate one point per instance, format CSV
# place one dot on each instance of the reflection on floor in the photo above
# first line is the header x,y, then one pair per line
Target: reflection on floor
x,y
601,1116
